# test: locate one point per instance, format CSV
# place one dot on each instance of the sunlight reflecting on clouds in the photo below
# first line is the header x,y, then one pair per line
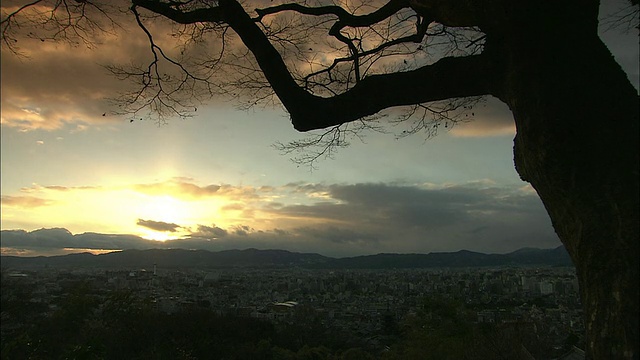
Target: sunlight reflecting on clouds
x,y
162,208
158,211
158,236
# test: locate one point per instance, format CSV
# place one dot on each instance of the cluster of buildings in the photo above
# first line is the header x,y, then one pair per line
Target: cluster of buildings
x,y
362,301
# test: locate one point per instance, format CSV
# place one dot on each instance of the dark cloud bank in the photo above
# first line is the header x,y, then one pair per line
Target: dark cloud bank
x,y
349,220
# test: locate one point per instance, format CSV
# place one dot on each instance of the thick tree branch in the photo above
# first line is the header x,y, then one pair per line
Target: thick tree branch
x,y
447,78
346,19
210,14
421,31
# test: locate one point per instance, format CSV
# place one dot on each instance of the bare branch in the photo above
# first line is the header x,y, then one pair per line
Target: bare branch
x,y
75,23
8,22
325,143
624,19
431,118
165,87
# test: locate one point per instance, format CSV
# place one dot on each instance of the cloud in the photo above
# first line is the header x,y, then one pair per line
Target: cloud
x,y
70,188
242,230
371,218
209,232
474,216
185,189
55,83
355,219
59,241
53,88
25,201
376,217
158,225
337,235
178,188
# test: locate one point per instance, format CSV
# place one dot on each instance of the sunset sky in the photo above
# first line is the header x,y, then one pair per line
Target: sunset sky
x,y
215,181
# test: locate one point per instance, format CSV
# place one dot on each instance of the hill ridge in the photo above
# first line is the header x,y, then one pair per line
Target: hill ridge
x,y
279,258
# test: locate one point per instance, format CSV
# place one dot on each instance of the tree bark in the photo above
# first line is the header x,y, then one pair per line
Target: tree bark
x,y
576,115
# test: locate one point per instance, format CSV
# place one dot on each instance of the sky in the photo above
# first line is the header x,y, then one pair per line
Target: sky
x,y
75,180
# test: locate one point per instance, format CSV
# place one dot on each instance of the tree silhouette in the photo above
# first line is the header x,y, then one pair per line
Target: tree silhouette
x,y
336,67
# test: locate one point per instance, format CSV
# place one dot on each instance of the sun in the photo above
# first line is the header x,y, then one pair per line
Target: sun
x,y
158,235
178,216
164,209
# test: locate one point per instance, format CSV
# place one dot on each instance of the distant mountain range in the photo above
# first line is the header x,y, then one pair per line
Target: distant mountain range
x,y
253,258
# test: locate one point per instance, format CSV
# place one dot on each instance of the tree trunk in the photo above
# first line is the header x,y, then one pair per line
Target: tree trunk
x,y
576,116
